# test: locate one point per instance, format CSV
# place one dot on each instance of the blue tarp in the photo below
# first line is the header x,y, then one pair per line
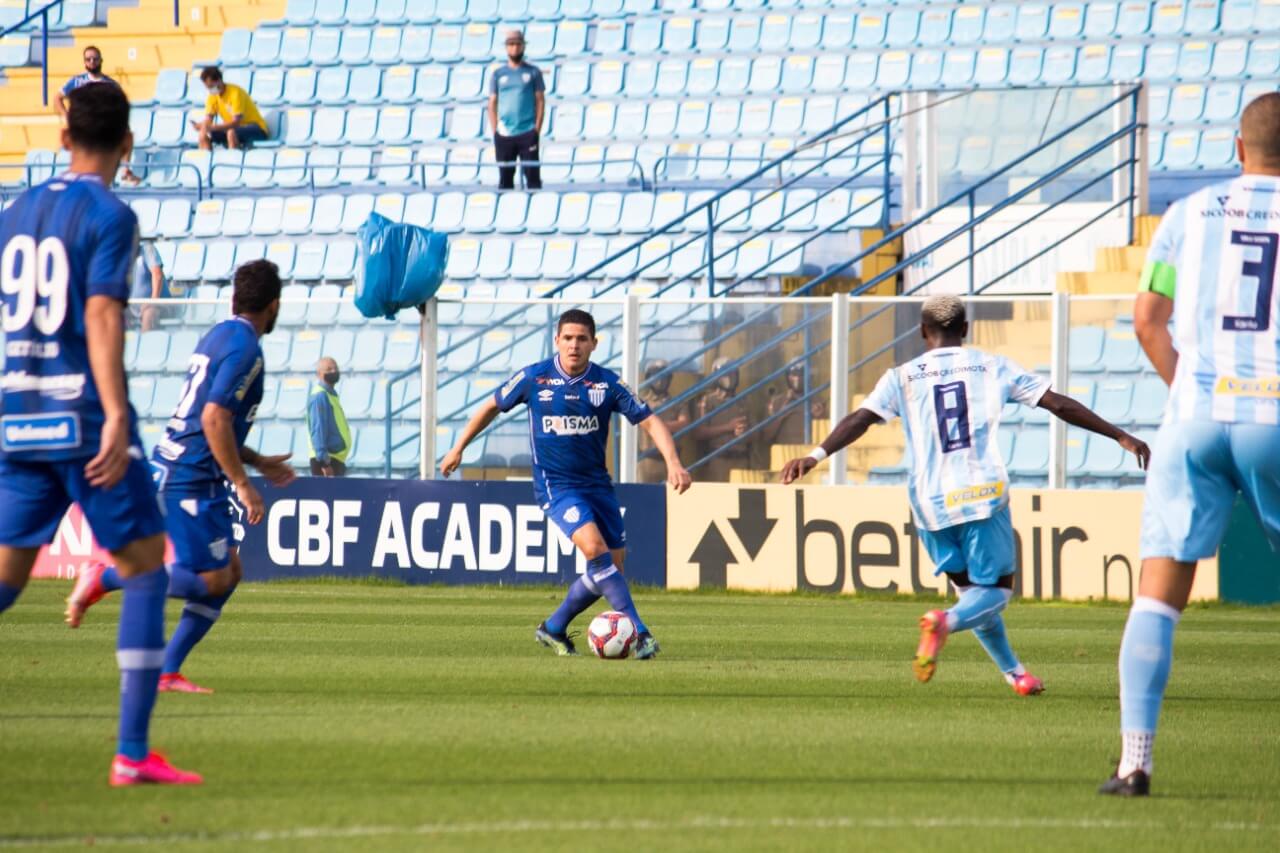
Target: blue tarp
x,y
400,266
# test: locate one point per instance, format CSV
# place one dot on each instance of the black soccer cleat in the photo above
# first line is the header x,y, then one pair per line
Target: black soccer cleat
x,y
1136,784
562,644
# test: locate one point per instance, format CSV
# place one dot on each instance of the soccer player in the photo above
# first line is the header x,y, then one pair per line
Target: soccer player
x,y
949,400
1212,268
202,450
67,431
570,401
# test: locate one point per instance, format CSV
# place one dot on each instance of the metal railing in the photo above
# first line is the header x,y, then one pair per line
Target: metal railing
x,y
43,15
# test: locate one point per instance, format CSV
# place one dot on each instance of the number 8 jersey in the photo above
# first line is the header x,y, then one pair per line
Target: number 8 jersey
x,y
226,370
1214,255
950,401
60,243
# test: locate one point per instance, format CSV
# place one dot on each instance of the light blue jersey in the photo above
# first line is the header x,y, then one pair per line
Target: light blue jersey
x,y
950,400
1214,255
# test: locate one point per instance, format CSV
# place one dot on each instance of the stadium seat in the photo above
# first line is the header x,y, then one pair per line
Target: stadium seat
x,y
1030,455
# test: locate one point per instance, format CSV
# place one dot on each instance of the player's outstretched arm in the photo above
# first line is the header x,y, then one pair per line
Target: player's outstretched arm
x,y
276,469
478,423
1077,414
851,428
1151,313
104,334
677,476
216,422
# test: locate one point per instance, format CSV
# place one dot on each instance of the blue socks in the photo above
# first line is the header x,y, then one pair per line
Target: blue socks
x,y
1146,654
139,654
977,604
111,579
197,618
8,595
604,576
578,599
185,584
995,640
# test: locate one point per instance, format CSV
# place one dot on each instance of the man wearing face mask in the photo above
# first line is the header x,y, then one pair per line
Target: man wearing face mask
x,y
722,427
238,122
327,429
656,392
789,428
517,104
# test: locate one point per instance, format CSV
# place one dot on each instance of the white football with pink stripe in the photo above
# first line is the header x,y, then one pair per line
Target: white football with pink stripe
x,y
612,634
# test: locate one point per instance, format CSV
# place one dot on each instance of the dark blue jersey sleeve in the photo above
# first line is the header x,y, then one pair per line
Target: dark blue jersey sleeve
x,y
627,404
111,266
234,374
514,392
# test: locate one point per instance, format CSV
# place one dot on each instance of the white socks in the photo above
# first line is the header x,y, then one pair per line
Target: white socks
x,y
1137,753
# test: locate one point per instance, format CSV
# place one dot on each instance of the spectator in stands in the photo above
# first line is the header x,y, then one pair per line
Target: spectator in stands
x,y
148,283
652,469
789,429
517,104
327,430
721,428
239,123
92,74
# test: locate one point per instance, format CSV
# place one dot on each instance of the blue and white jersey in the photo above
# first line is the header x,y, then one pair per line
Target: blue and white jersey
x,y
60,243
569,422
85,79
1215,255
225,369
949,400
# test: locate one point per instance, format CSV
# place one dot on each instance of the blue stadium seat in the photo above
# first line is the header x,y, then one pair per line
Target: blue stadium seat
x,y
331,13
282,253
355,46
1025,65
957,66
188,263
1168,19
1133,19
672,78
678,35
1030,455
1195,60
402,351
264,47
511,210
479,212
219,261
415,45
894,70
1186,104
225,168
182,343
494,259
146,209
1181,149
1114,399
325,46
1094,63
1121,353
293,307
365,85
1264,59
1161,61
1032,22
902,28
167,391
308,261
235,48
1217,148
1000,24
171,88
325,309
1127,62
992,67
300,12
175,217
1149,397
153,351
1085,348
869,31
418,209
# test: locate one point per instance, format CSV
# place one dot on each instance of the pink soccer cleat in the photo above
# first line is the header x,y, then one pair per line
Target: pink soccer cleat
x,y
155,769
933,636
175,682
87,592
1027,685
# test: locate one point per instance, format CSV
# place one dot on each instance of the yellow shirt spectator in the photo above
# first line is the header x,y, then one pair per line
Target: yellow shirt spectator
x,y
234,101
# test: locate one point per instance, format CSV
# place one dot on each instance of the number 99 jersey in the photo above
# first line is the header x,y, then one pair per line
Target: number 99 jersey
x,y
60,243
950,401
226,370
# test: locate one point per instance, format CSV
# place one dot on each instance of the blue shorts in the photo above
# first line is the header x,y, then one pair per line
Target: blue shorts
x,y
573,508
36,495
983,548
201,530
1197,467
246,134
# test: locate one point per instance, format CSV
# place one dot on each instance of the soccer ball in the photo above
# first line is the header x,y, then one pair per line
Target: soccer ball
x,y
612,634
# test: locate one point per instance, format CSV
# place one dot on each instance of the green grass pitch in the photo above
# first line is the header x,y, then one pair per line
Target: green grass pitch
x,y
370,717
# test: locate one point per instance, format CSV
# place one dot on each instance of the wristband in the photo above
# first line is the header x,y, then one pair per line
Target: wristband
x,y
817,454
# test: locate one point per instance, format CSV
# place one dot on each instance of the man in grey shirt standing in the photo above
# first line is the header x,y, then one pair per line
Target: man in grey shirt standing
x,y
517,104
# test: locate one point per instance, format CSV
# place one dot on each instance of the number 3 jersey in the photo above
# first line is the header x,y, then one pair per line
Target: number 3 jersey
x,y
569,422
226,370
1214,255
60,243
950,400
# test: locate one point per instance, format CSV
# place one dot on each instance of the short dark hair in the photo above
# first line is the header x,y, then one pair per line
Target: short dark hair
x,y
578,317
90,47
1260,128
97,117
255,286
211,74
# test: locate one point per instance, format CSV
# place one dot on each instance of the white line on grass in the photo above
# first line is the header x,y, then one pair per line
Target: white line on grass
x,y
306,833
